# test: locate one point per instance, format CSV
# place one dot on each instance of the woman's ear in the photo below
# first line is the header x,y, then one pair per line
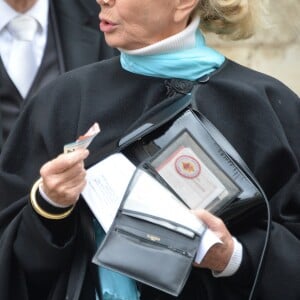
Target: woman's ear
x,y
184,9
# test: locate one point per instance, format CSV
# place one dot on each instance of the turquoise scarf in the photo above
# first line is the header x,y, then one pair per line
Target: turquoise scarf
x,y
191,64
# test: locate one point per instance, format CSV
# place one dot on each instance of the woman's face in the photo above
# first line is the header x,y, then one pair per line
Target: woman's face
x,y
133,24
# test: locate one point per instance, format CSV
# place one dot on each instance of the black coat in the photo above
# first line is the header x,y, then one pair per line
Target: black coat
x,y
256,113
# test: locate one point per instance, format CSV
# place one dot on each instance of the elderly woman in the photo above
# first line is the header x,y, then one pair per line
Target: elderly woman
x,y
46,252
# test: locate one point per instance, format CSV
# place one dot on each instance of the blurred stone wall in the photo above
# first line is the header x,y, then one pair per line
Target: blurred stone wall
x,y
274,50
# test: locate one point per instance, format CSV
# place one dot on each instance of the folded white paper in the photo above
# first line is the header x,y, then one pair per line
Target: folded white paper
x,y
106,185
148,198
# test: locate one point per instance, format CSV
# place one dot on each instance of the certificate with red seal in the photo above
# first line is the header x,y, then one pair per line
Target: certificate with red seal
x,y
193,175
194,181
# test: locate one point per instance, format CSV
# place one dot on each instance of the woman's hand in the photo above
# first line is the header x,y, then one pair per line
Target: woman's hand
x,y
64,177
218,256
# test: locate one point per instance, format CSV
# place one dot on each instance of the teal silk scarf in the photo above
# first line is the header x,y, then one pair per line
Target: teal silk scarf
x,y
191,63
114,286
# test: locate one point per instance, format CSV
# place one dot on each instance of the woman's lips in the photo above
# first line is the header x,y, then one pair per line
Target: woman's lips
x,y
106,26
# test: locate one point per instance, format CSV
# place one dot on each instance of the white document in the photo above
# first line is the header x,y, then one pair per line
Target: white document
x,y
106,184
149,198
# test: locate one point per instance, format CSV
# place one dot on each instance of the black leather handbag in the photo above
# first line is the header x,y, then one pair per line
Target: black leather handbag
x,y
155,249
162,256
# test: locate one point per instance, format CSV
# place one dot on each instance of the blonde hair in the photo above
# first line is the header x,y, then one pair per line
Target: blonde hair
x,y
233,19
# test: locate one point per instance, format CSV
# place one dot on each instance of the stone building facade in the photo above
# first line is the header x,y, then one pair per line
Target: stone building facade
x,y
274,50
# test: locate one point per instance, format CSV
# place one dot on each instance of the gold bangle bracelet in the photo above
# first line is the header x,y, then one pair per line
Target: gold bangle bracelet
x,y
42,212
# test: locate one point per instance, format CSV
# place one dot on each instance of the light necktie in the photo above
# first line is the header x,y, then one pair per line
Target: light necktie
x,y
22,66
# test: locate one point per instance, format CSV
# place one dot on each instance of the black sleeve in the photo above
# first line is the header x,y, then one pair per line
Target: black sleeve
x,y
30,245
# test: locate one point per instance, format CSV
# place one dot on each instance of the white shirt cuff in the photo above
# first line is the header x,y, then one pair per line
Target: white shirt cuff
x,y
234,262
47,199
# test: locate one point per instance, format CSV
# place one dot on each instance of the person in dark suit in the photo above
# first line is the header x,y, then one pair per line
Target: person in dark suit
x,y
68,37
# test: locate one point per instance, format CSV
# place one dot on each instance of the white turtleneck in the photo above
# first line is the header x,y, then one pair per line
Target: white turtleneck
x,y
182,40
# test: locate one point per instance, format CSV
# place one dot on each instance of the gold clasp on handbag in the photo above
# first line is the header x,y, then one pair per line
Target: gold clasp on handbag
x,y
153,238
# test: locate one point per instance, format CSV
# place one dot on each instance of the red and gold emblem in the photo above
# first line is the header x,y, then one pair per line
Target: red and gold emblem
x,y
187,166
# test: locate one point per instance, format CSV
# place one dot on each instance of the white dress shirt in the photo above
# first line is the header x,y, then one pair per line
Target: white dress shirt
x,y
39,11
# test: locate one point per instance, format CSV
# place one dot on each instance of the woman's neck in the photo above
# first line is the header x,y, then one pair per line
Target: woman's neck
x,y
21,5
182,40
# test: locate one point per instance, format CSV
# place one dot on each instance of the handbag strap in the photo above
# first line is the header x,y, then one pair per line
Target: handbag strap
x,y
230,150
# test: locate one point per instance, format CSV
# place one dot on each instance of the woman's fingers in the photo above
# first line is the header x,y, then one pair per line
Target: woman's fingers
x,y
214,223
64,177
219,254
64,161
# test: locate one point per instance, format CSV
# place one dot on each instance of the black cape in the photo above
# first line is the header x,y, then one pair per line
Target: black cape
x,y
256,113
